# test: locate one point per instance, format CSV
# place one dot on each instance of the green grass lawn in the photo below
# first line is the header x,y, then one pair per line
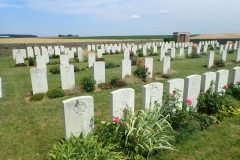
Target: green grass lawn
x,y
28,130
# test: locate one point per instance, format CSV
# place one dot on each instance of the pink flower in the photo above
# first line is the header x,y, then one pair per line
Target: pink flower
x,y
171,94
116,119
131,52
225,86
189,101
139,61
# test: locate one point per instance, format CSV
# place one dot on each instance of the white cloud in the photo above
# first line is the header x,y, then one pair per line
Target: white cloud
x,y
135,16
164,11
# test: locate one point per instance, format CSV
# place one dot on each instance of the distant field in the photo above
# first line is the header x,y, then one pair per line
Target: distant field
x,y
217,36
78,39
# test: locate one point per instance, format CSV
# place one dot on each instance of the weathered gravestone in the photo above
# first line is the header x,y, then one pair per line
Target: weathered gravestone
x,y
91,59
224,55
166,65
149,65
126,68
99,72
173,53
210,59
207,79
41,63
181,52
238,56
30,52
19,58
39,80
221,79
121,99
175,87
67,76
64,60
37,51
235,75
152,95
80,54
57,50
192,85
78,115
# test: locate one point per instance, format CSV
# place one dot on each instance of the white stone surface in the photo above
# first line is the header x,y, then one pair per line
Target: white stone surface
x,y
126,55
39,80
149,64
41,63
211,59
30,52
224,55
152,94
37,51
99,72
80,54
207,79
166,65
91,59
176,85
64,60
19,58
23,52
181,52
173,53
78,115
126,68
121,99
221,79
57,50
67,76
236,75
238,56
192,85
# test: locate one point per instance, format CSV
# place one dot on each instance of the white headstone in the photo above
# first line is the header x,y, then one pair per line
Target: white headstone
x,y
210,59
37,51
67,76
221,79
99,72
166,65
41,63
238,56
57,50
126,68
173,53
19,58
149,65
30,52
91,59
181,52
78,115
152,94
192,85
64,60
176,85
224,55
80,54
126,55
235,75
39,80
121,99
207,79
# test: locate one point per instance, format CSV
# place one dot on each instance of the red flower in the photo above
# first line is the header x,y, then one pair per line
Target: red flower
x,y
189,101
116,119
171,94
131,52
225,86
139,61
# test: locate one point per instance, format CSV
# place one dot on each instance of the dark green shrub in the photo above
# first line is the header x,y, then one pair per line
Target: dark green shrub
x,y
231,51
219,63
116,82
88,84
140,55
54,70
100,59
76,69
111,65
76,59
55,93
234,90
37,97
53,63
211,47
20,65
141,71
54,56
31,61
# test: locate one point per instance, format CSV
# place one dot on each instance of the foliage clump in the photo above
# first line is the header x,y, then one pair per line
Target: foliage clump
x,y
55,93
88,84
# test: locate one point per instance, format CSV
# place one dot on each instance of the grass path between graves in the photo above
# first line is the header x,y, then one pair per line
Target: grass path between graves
x,y
28,130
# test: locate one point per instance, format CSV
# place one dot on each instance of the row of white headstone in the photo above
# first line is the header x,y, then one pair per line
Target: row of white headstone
x,y
79,111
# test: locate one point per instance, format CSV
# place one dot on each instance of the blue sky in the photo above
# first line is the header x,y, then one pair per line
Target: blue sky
x,y
118,17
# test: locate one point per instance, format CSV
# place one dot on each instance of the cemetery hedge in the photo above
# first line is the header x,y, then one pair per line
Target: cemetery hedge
x,y
29,129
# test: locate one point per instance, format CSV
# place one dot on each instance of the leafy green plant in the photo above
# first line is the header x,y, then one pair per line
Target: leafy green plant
x,y
83,147
141,71
76,69
55,93
234,90
117,82
219,63
88,84
54,70
37,97
31,61
231,51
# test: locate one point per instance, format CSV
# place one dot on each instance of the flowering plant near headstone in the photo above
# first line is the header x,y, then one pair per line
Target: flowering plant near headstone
x,y
233,90
142,70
